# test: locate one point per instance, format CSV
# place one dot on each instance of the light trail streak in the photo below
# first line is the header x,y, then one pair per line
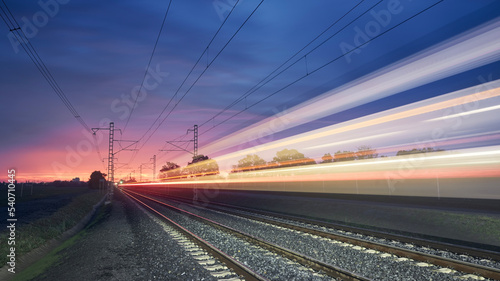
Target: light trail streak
x,y
468,117
466,113
355,140
344,131
482,165
464,52
421,108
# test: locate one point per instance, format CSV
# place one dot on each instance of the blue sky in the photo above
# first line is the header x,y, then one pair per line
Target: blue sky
x,y
98,51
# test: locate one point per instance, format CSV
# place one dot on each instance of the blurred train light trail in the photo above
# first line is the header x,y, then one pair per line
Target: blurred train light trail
x,y
469,139
467,113
419,114
464,123
476,163
333,144
464,52
395,120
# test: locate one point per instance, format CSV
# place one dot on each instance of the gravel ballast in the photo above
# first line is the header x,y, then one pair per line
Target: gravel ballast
x,y
264,262
426,250
365,262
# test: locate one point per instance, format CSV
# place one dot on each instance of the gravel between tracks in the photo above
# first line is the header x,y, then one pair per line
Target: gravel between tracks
x,y
441,253
371,264
267,264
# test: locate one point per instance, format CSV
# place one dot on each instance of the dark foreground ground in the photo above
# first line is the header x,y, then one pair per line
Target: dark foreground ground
x,y
38,202
122,243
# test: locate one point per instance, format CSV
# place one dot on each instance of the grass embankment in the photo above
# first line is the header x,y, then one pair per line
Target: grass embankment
x,y
40,192
54,257
37,233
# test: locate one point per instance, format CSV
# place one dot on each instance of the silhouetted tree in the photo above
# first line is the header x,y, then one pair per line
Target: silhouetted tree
x,y
287,155
418,150
290,157
249,163
201,166
95,179
340,156
366,152
169,166
198,158
170,169
131,180
327,158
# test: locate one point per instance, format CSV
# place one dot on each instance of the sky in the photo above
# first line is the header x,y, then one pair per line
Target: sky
x,y
98,52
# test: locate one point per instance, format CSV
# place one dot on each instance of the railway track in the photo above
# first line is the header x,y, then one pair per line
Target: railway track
x,y
422,259
303,262
202,251
467,267
450,246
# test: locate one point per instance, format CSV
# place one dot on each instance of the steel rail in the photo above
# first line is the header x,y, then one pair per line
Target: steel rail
x,y
445,246
438,245
328,269
236,266
466,267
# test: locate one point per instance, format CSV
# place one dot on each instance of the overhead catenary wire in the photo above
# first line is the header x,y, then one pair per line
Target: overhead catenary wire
x,y
30,50
320,67
184,81
147,67
312,71
25,43
162,152
256,86
197,79
187,76
211,62
263,81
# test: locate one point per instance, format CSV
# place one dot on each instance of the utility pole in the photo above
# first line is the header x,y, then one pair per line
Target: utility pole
x,y
111,166
140,167
111,155
195,140
180,148
140,173
154,166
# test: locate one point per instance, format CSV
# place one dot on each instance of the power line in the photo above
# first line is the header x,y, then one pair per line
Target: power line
x,y
263,82
211,62
149,64
203,72
321,67
185,79
23,40
254,88
30,50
